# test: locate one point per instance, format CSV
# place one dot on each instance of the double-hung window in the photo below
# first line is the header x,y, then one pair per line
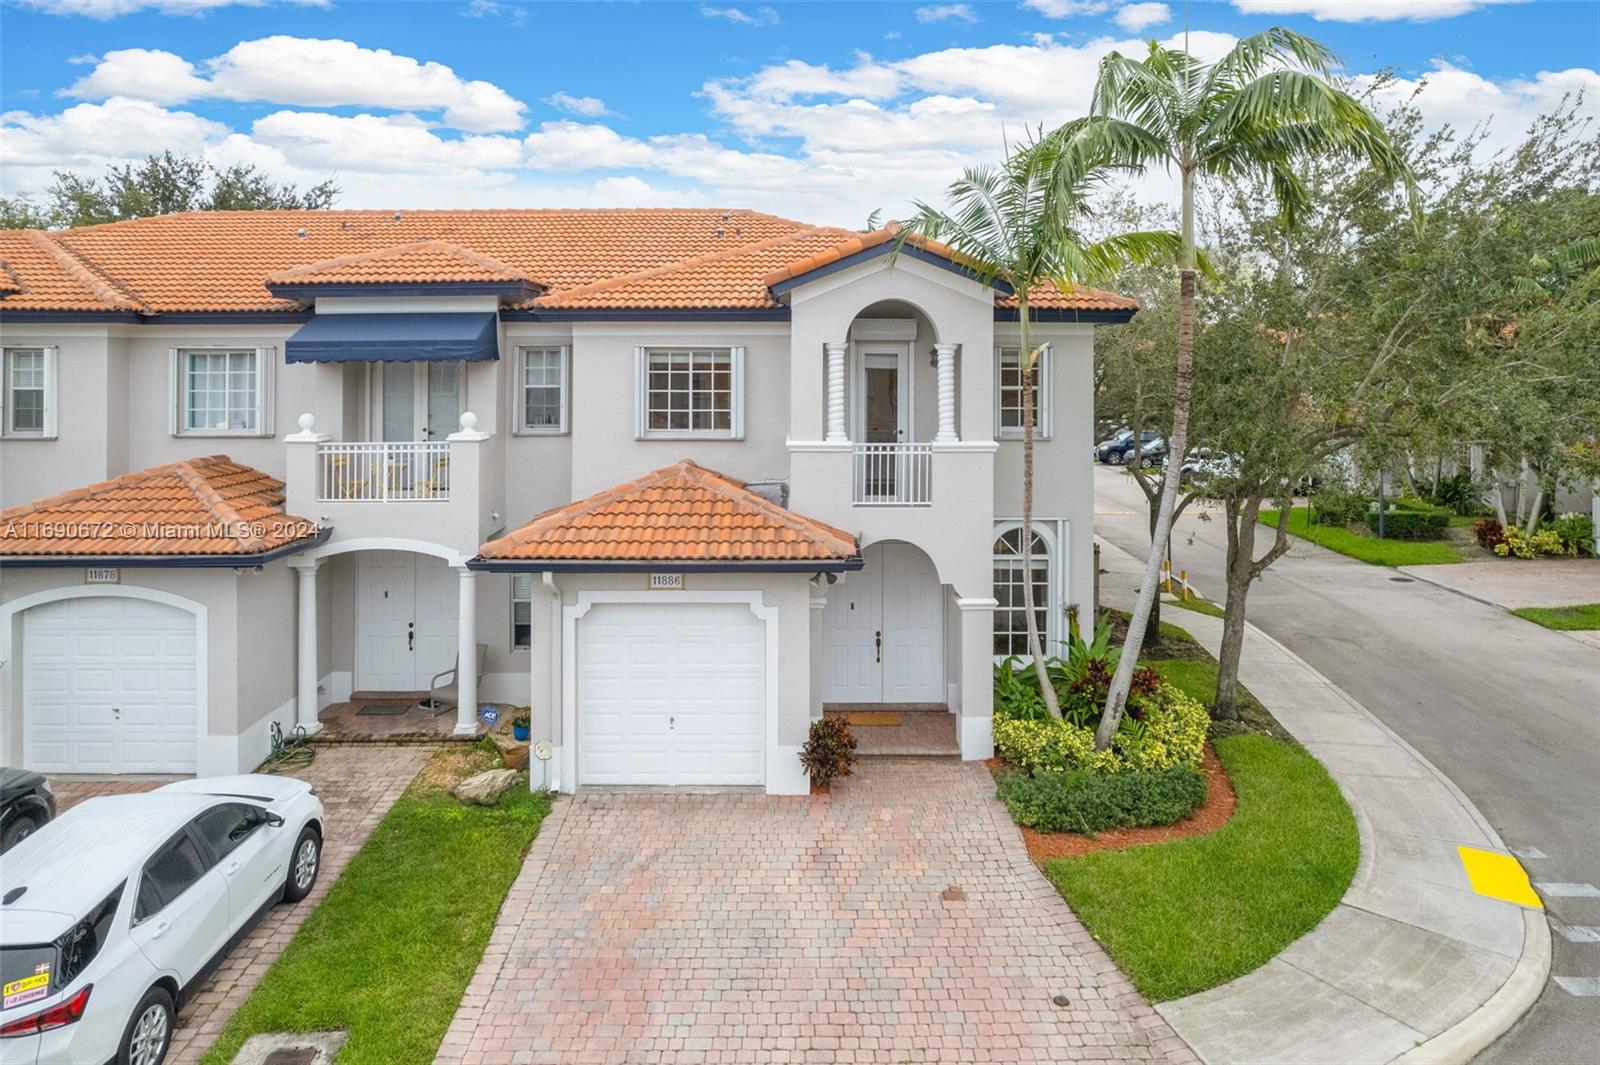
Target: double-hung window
x,y
691,391
521,610
542,399
222,391
27,398
1008,393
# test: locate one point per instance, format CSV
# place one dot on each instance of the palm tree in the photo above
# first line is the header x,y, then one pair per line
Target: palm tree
x,y
1016,226
1257,112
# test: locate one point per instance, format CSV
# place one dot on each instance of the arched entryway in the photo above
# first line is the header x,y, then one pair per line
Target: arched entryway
x,y
883,630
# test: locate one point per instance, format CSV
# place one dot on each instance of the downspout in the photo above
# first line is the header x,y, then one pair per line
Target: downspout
x,y
551,773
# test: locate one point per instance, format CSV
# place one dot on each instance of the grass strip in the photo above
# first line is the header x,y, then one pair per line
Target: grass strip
x,y
1365,547
1563,618
1188,915
389,952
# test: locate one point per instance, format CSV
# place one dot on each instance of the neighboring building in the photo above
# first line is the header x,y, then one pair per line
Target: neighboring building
x,y
688,475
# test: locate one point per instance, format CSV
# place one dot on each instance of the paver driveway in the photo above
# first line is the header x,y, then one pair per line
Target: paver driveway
x,y
898,920
357,785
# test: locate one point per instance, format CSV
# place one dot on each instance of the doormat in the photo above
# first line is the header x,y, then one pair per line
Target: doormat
x,y
383,709
874,717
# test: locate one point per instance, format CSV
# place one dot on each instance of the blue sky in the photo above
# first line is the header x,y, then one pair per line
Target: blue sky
x,y
820,111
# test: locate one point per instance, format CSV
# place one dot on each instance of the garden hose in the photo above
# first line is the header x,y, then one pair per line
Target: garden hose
x,y
288,755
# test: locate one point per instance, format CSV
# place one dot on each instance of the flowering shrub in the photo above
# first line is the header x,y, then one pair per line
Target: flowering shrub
x,y
1163,728
1518,544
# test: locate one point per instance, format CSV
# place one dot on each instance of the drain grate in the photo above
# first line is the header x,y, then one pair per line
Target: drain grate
x,y
291,1056
1403,580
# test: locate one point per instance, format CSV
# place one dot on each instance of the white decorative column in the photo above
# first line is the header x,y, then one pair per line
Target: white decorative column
x,y
946,355
835,353
467,656
301,485
975,723
305,707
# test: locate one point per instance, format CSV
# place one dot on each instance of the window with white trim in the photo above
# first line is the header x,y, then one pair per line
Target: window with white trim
x,y
543,395
1008,384
691,392
222,391
27,399
1011,616
521,610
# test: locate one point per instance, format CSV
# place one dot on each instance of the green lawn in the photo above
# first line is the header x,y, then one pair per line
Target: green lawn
x,y
1184,916
391,948
1566,618
1367,548
1198,605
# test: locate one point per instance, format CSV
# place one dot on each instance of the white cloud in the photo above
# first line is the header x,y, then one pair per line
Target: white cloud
x,y
105,10
84,59
307,72
759,16
946,12
387,143
1136,17
587,106
1364,10
1067,8
1504,109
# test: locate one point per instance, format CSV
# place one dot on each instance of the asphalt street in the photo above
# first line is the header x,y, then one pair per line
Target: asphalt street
x,y
1509,711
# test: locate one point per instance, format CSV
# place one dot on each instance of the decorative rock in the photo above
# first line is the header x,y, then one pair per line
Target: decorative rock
x,y
486,789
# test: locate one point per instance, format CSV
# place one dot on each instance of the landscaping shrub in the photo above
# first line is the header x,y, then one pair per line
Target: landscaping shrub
x,y
1163,728
1518,544
1459,494
1411,519
1576,532
1490,533
1338,504
829,752
1089,802
1016,691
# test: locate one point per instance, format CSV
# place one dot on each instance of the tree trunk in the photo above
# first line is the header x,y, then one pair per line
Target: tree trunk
x,y
1241,552
1177,444
1026,357
1535,510
1152,628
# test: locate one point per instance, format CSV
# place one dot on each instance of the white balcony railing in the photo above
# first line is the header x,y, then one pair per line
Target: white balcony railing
x,y
892,474
413,471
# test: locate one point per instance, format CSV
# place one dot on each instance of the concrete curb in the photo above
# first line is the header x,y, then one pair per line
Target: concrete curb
x,y
1221,1009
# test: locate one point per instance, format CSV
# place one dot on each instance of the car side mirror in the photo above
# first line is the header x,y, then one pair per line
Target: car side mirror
x,y
275,820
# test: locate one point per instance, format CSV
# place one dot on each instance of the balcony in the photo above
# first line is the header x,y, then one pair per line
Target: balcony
x,y
892,475
446,492
381,472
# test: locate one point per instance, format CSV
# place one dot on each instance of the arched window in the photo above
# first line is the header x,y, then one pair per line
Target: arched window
x,y
1010,618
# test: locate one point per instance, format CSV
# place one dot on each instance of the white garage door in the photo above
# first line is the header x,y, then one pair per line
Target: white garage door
x,y
109,686
671,694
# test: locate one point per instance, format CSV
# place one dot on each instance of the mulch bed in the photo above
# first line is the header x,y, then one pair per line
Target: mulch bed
x,y
1212,815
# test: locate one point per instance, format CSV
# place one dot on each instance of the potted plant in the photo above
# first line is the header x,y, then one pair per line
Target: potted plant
x,y
829,753
519,728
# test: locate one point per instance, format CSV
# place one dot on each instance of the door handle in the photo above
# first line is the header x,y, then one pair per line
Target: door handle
x,y
233,867
877,644
411,636
160,929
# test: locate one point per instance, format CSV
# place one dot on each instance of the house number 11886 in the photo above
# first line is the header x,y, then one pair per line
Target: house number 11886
x,y
666,582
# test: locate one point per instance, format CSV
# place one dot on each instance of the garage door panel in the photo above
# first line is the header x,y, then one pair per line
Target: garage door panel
x,y
671,694
109,686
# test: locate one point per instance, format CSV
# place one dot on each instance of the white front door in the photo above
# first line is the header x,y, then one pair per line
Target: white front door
x,y
416,400
406,620
883,631
109,685
671,693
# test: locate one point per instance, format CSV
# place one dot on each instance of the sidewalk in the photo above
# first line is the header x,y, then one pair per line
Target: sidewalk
x,y
1413,965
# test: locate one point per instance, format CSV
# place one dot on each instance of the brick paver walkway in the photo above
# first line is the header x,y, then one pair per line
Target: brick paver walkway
x,y
898,920
357,785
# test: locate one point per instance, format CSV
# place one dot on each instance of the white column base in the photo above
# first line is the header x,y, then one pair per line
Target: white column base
x,y
785,774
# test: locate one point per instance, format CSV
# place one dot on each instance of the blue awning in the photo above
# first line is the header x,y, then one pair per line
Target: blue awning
x,y
395,338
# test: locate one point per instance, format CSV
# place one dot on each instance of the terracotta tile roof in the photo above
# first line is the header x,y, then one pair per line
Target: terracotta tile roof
x,y
202,506
1077,298
422,261
681,513
589,259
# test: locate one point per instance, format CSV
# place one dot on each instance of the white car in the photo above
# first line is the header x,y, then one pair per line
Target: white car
x,y
114,912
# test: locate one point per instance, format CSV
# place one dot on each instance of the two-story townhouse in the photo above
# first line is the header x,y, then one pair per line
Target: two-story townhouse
x,y
682,478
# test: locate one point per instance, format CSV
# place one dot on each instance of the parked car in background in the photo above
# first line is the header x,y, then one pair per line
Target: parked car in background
x,y
1204,464
1119,449
26,804
113,914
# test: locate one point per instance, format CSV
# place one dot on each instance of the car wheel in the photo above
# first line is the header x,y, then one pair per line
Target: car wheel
x,y
17,831
305,861
149,1031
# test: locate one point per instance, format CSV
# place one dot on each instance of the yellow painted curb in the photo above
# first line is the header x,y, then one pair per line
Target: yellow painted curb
x,y
1499,876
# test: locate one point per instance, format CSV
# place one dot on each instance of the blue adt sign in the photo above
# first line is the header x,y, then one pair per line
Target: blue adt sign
x,y
489,714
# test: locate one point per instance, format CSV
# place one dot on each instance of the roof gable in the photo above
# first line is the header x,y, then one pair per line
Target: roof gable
x,y
210,506
681,515
424,264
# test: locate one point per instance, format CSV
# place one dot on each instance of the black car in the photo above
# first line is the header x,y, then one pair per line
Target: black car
x,y
26,805
1119,448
